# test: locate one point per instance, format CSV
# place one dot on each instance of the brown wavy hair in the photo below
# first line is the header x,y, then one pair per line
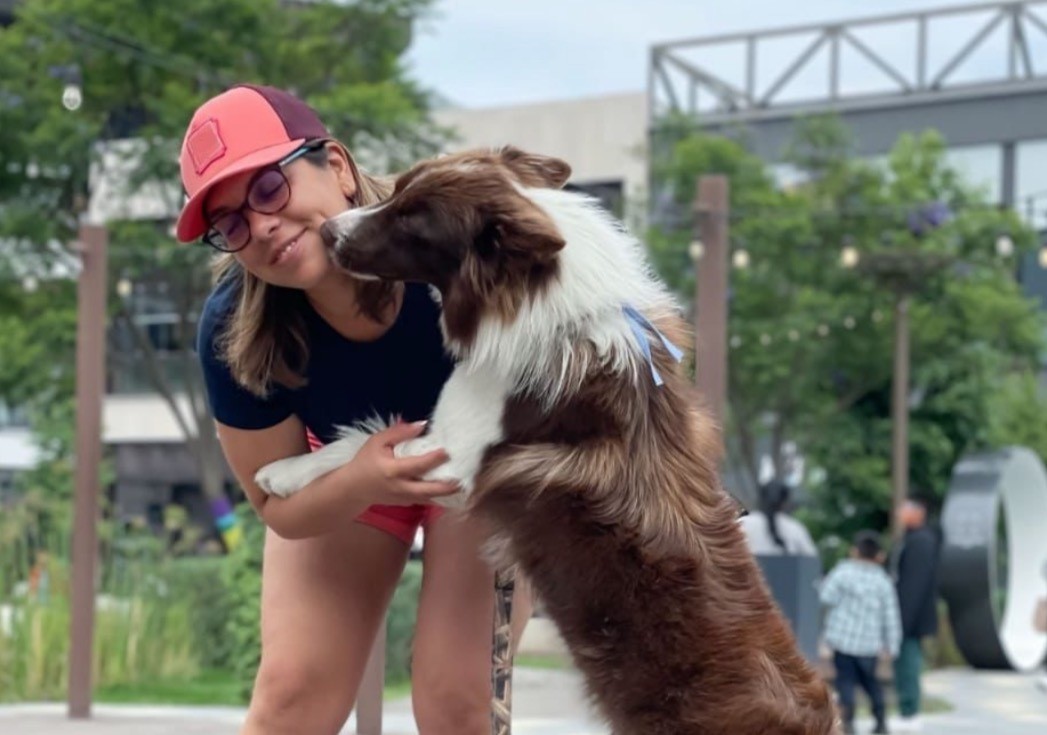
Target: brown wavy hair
x,y
264,341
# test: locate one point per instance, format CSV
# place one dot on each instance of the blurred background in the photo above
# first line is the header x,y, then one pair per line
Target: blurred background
x,y
884,281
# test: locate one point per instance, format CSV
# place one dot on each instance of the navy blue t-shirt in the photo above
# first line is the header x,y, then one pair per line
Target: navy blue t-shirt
x,y
398,374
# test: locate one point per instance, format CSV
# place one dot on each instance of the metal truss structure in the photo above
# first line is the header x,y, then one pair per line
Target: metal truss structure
x,y
977,73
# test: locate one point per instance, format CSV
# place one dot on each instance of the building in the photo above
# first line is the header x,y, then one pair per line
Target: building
x,y
603,139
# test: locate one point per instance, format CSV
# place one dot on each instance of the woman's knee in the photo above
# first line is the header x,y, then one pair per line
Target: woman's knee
x,y
290,697
446,703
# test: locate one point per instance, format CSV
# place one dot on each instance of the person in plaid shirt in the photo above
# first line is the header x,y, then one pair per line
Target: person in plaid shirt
x,y
864,622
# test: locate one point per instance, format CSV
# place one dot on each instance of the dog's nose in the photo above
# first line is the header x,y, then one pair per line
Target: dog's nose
x,y
329,233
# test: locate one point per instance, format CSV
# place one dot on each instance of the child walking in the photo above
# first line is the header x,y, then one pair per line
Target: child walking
x,y
864,622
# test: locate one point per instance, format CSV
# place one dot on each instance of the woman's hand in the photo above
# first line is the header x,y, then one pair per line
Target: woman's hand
x,y
389,480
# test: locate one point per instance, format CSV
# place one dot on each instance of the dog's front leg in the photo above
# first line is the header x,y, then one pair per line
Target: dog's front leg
x,y
447,472
466,422
285,477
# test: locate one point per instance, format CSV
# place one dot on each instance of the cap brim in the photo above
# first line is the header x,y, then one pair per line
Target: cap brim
x,y
191,224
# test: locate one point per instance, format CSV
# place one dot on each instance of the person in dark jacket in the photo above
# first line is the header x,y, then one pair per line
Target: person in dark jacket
x,y
915,567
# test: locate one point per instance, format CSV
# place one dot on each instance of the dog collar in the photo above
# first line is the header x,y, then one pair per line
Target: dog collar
x,y
640,326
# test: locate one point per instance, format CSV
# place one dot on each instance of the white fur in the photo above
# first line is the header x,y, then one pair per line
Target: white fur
x,y
347,221
467,420
285,477
601,269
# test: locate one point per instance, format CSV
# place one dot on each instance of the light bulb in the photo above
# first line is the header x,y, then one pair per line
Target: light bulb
x,y
72,97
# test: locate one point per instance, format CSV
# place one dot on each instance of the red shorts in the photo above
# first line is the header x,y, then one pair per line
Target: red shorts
x,y
402,521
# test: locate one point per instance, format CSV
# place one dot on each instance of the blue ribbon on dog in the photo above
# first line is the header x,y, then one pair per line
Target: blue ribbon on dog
x,y
641,326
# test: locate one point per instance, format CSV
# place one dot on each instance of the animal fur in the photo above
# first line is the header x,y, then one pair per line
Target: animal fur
x,y
601,485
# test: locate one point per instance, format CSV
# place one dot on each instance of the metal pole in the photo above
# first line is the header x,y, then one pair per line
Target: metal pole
x,y
90,388
1008,173
900,410
710,297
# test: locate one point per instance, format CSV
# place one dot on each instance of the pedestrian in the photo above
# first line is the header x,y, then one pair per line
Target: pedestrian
x,y
771,530
863,624
915,567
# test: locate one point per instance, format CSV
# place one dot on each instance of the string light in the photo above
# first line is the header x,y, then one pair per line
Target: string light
x,y
124,287
822,330
696,250
849,256
1042,258
72,97
741,259
1004,246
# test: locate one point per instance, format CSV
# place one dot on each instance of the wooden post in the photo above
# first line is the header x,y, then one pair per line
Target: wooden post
x,y
712,210
900,412
90,389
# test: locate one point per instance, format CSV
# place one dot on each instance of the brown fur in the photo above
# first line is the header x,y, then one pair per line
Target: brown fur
x,y
610,502
612,508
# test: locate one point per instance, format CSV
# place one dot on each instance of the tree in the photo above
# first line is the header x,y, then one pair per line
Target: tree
x,y
143,68
811,339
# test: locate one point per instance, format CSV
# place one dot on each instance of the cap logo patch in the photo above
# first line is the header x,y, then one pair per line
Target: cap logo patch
x,y
205,145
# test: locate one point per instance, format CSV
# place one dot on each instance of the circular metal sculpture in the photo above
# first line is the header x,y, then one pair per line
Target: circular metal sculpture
x,y
991,582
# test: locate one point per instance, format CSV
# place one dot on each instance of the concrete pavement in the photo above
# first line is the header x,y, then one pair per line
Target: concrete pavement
x,y
551,703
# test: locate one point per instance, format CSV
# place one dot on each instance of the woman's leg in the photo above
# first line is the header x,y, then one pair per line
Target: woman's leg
x,y
451,669
322,601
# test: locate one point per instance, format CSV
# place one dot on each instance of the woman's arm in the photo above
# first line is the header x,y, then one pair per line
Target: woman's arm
x,y
337,497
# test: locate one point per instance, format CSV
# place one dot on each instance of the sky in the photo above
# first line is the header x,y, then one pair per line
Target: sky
x,y
485,53
491,53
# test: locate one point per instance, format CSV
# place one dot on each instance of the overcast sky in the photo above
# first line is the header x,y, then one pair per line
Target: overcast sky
x,y
481,53
487,53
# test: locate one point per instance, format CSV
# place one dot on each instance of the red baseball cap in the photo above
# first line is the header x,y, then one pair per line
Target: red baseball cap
x,y
246,127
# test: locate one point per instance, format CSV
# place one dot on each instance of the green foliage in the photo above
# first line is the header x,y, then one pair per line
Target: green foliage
x,y
200,582
812,341
400,622
243,580
144,68
146,625
242,576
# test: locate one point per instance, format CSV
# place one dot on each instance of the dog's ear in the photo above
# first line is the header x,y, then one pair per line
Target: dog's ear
x,y
534,169
518,226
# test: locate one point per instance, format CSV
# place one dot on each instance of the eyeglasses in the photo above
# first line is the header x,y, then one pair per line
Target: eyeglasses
x,y
267,193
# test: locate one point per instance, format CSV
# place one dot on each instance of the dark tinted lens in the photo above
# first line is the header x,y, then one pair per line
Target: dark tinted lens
x,y
229,232
269,192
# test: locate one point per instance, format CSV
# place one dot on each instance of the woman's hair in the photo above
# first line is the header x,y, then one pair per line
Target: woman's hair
x,y
265,341
773,498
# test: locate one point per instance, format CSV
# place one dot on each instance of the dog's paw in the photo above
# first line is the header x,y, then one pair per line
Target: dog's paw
x,y
280,478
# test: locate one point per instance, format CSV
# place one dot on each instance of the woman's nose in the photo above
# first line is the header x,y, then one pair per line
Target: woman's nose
x,y
262,225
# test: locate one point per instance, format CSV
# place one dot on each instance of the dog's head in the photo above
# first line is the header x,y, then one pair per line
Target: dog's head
x,y
464,224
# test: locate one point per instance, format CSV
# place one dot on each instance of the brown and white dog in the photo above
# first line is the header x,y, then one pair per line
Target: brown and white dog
x,y
575,433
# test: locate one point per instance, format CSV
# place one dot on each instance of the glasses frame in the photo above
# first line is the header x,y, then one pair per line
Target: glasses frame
x,y
210,234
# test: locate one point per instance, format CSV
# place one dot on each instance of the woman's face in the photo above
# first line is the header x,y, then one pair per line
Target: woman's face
x,y
285,248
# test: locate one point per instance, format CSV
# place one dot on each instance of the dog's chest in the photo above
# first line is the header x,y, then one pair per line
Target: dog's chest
x,y
468,419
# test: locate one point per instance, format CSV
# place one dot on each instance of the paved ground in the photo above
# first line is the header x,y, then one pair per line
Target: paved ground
x,y
550,703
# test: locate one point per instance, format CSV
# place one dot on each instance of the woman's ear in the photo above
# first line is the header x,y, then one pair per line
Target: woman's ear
x,y
339,162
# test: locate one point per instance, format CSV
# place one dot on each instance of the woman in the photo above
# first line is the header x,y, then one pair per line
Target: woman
x,y
291,348
771,530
